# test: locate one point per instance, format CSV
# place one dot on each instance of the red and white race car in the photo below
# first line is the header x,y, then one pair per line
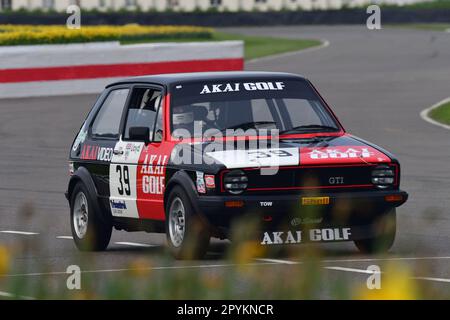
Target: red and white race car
x,y
189,154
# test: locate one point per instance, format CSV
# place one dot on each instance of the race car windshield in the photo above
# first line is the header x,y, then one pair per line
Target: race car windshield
x,y
234,107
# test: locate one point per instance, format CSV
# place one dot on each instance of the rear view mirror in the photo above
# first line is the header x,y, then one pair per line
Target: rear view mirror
x,y
141,134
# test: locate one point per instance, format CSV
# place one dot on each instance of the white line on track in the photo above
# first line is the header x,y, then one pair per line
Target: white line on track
x,y
425,114
351,270
371,272
432,279
25,233
135,244
362,259
65,237
325,43
202,266
13,296
386,259
278,261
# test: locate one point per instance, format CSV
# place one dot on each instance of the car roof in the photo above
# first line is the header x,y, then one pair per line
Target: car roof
x,y
171,78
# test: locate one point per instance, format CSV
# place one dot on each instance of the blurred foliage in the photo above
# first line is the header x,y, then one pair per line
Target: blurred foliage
x,y
28,34
255,46
398,284
241,278
4,259
243,270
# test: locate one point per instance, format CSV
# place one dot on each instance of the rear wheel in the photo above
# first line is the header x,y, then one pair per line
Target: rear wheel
x,y
384,229
89,231
187,234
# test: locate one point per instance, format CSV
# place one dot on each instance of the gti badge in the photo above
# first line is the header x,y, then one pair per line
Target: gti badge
x,y
336,180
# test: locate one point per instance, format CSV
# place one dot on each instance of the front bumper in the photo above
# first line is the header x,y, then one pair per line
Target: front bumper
x,y
344,208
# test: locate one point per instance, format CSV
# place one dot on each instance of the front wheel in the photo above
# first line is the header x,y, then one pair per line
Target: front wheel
x,y
384,229
89,231
187,234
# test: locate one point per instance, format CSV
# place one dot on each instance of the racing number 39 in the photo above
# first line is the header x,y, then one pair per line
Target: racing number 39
x,y
124,180
270,153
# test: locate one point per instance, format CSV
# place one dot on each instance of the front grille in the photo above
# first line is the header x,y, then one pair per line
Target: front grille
x,y
311,178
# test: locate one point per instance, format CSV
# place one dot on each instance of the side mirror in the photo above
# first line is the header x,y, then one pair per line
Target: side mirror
x,y
141,134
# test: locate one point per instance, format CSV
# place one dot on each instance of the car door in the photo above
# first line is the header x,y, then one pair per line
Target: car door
x,y
125,172
152,170
96,151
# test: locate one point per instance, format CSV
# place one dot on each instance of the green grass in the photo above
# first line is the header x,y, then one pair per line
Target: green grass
x,y
258,47
441,113
423,26
255,46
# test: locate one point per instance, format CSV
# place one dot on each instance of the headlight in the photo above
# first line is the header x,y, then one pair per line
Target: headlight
x,y
383,177
235,182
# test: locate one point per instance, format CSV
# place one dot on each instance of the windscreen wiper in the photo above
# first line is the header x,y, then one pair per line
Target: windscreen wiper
x,y
310,128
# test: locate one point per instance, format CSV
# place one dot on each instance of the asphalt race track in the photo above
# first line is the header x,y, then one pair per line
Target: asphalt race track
x,y
377,82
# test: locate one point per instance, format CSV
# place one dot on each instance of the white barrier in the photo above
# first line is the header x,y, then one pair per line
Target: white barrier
x,y
46,70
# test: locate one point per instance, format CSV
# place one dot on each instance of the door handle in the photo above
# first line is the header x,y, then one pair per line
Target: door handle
x,y
118,152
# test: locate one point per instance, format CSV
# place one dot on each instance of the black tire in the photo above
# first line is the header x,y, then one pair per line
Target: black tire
x,y
384,229
98,232
196,236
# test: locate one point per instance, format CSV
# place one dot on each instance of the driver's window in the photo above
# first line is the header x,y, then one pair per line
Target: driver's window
x,y
107,121
142,111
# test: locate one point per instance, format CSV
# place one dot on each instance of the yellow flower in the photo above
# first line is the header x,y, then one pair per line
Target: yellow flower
x,y
140,268
25,34
247,252
83,295
4,260
212,281
396,284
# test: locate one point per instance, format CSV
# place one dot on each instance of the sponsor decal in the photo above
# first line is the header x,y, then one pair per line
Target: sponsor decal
x,y
153,174
105,154
132,149
81,137
118,206
341,154
314,235
89,152
98,153
299,221
265,203
201,188
281,237
210,181
315,201
247,86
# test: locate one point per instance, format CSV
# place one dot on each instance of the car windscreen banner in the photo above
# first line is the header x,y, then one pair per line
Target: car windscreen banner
x,y
235,90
